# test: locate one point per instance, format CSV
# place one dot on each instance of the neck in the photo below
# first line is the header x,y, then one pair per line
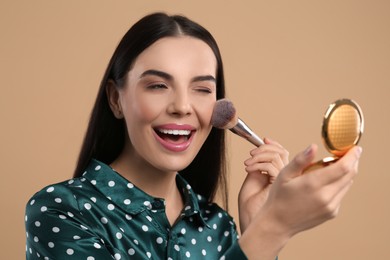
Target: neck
x,y
152,181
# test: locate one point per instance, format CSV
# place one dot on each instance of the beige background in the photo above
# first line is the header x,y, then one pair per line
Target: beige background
x,y
285,62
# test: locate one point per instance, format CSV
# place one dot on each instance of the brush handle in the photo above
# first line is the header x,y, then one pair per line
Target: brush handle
x,y
244,131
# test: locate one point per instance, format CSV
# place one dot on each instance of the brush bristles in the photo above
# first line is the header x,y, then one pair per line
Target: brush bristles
x,y
224,115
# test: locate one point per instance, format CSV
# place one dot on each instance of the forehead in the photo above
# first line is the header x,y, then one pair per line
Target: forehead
x,y
172,54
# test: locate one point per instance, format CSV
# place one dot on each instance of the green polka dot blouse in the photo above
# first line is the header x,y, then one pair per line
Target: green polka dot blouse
x,y
101,215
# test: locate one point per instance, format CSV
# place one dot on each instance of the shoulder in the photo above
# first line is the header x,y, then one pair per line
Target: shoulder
x,y
59,196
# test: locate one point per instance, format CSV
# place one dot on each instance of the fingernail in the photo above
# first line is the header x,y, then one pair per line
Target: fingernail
x,y
359,151
308,150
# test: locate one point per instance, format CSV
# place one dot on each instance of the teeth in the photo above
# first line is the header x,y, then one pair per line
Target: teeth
x,y
174,132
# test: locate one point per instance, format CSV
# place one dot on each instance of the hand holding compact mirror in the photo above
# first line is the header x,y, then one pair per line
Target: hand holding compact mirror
x,y
341,130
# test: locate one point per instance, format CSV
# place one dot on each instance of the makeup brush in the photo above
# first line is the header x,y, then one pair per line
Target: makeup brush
x,y
225,117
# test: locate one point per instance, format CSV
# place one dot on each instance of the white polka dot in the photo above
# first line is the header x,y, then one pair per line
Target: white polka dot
x,y
145,228
111,206
200,229
83,227
98,168
76,237
130,185
193,241
97,245
136,241
149,254
127,201
70,251
183,231
204,252
220,215
128,217
159,240
219,248
187,208
93,182
62,216
32,202
131,251
226,233
111,183
117,256
104,220
58,200
149,218
188,254
55,229
70,214
215,226
87,206
90,258
170,258
43,208
50,189
209,238
222,258
70,181
177,248
148,204
93,199
118,235
36,239
50,244
37,223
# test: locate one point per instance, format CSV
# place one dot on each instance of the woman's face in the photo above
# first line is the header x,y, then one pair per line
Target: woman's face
x,y
167,102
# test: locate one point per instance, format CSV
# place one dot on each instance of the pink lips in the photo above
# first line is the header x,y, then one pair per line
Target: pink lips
x,y
182,132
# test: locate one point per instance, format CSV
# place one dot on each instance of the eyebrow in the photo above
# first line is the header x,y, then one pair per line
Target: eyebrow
x,y
167,76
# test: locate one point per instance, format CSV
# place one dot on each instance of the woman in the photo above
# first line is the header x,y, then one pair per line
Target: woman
x,y
151,163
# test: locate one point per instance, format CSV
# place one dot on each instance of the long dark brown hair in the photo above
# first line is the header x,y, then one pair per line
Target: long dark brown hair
x,y
105,136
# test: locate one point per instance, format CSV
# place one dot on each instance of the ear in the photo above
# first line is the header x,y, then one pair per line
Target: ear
x,y
114,99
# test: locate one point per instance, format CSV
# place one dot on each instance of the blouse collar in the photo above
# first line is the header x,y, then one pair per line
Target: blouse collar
x,y
133,200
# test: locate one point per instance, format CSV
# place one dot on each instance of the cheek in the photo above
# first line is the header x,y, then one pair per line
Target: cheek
x,y
205,111
146,110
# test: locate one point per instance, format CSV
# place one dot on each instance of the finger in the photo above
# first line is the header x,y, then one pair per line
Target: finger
x,y
263,168
272,145
266,157
299,163
337,188
345,167
335,203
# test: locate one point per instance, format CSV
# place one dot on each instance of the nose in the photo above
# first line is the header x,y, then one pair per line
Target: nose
x,y
180,104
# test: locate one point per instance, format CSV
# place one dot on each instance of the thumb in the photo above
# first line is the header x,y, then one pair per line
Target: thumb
x,y
300,162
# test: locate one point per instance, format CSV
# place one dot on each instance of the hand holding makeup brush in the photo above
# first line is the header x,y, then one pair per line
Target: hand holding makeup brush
x,y
264,165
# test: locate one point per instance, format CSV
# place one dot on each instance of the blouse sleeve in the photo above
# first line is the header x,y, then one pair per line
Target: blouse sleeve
x,y
55,230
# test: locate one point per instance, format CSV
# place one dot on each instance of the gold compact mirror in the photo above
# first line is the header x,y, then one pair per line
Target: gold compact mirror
x,y
342,129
